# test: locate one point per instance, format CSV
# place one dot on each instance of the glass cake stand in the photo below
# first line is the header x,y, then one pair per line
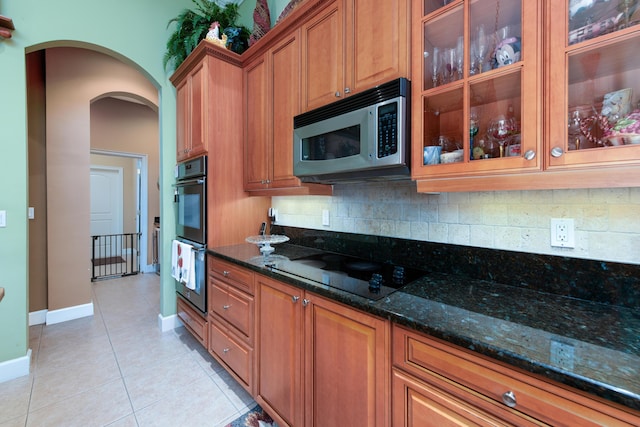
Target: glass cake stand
x,y
265,241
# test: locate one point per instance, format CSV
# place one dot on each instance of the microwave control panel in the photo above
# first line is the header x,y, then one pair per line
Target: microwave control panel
x,y
387,130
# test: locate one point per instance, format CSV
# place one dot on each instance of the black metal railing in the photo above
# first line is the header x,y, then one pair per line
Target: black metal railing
x,y
115,255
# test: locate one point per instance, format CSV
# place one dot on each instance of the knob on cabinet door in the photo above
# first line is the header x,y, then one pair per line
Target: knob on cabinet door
x,y
305,302
295,298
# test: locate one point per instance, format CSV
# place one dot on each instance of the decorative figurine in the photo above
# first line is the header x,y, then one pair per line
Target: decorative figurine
x,y
214,35
506,52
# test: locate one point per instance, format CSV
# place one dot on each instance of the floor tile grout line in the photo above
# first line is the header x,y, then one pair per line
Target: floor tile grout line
x,y
115,355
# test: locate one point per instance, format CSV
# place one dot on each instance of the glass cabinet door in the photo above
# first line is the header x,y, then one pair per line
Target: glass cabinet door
x,y
476,91
593,70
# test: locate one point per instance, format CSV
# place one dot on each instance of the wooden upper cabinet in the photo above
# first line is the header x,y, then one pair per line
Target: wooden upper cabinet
x,y
593,68
257,150
353,45
476,90
192,108
377,40
285,104
272,99
323,57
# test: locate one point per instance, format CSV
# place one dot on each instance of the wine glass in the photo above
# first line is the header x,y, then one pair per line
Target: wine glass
x,y
435,66
501,128
473,130
460,56
481,47
450,64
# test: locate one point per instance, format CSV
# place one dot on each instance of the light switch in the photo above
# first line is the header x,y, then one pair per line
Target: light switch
x,y
32,214
3,218
325,217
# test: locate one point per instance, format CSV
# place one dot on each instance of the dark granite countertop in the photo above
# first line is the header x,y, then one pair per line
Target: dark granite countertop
x,y
513,324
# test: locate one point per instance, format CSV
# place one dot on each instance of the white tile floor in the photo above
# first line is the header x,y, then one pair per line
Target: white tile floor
x,y
117,369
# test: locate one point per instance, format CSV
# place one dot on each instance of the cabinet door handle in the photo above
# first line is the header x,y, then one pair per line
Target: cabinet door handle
x,y
295,298
509,399
347,90
529,155
305,302
557,151
225,350
226,307
338,94
226,273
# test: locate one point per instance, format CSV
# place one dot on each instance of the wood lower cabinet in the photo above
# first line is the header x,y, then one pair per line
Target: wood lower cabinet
x,y
194,322
231,319
320,363
438,384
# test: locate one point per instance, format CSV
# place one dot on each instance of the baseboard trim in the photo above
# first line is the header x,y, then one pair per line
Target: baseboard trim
x,y
15,368
69,313
168,323
38,317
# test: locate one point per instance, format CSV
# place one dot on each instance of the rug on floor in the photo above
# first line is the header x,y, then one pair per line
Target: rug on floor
x,y
251,419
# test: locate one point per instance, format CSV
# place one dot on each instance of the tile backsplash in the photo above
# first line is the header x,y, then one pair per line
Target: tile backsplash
x,y
607,221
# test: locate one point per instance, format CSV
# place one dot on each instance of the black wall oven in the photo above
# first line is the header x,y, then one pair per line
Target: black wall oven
x,y
191,224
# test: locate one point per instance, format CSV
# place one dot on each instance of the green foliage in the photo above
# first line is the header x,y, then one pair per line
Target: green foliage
x,y
191,26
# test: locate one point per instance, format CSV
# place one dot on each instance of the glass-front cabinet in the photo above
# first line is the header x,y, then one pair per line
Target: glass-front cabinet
x,y
477,88
593,107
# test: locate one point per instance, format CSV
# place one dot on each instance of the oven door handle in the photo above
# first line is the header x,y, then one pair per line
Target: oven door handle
x,y
189,182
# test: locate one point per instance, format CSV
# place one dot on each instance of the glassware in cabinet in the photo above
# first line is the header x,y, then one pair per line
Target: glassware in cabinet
x,y
594,61
498,65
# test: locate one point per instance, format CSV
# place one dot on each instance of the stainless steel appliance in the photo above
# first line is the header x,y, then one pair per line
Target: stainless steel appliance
x,y
191,224
362,137
191,200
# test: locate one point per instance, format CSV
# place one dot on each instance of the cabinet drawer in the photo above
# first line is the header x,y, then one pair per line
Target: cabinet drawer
x,y
231,273
192,321
556,405
234,307
234,354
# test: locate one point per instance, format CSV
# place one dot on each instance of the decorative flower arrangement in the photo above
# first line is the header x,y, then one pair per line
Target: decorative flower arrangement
x,y
191,26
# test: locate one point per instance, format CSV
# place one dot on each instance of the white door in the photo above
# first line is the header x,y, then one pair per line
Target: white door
x,y
106,204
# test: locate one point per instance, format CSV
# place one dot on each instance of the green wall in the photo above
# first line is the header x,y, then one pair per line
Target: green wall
x,y
133,31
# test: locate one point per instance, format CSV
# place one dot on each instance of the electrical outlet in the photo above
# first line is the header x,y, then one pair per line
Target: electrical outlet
x,y
563,233
325,217
562,355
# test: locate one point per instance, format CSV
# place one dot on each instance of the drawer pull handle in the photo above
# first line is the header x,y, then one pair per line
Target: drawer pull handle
x,y
226,307
295,298
225,273
305,302
225,350
509,399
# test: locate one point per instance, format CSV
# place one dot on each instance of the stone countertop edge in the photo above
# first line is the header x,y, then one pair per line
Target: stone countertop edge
x,y
395,308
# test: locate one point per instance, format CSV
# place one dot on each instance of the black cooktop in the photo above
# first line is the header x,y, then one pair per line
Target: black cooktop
x,y
369,279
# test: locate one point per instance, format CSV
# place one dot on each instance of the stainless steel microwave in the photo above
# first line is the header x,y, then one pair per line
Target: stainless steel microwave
x,y
360,138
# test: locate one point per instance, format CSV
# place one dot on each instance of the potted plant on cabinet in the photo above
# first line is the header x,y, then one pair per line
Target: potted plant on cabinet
x,y
191,26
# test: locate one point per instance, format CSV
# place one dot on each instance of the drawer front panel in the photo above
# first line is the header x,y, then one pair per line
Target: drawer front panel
x,y
233,274
218,298
231,352
240,312
193,322
539,399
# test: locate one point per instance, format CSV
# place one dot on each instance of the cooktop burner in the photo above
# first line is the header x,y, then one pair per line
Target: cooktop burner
x,y
369,279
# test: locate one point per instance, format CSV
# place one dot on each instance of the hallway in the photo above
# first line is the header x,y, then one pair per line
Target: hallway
x,y
117,369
